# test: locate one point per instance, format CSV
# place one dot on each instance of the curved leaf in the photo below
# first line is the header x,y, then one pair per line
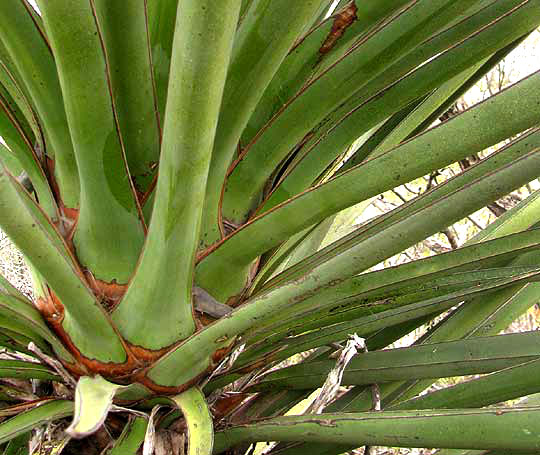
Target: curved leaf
x,y
200,427
93,399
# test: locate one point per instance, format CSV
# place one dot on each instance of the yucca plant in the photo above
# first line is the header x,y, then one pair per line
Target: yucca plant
x,y
170,169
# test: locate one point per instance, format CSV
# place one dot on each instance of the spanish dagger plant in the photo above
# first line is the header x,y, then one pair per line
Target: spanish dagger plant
x,y
169,170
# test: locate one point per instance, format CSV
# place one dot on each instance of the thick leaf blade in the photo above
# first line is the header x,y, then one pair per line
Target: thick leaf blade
x,y
108,248
198,70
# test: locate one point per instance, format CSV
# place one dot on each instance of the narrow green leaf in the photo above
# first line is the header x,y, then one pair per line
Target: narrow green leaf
x,y
132,437
495,161
317,153
485,315
311,243
200,427
246,4
498,428
40,415
272,404
274,259
368,324
458,358
198,71
45,223
93,399
16,326
305,59
480,316
268,304
519,218
414,76
22,153
426,108
315,312
16,342
489,64
11,85
295,249
504,385
20,369
110,247
410,230
308,169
